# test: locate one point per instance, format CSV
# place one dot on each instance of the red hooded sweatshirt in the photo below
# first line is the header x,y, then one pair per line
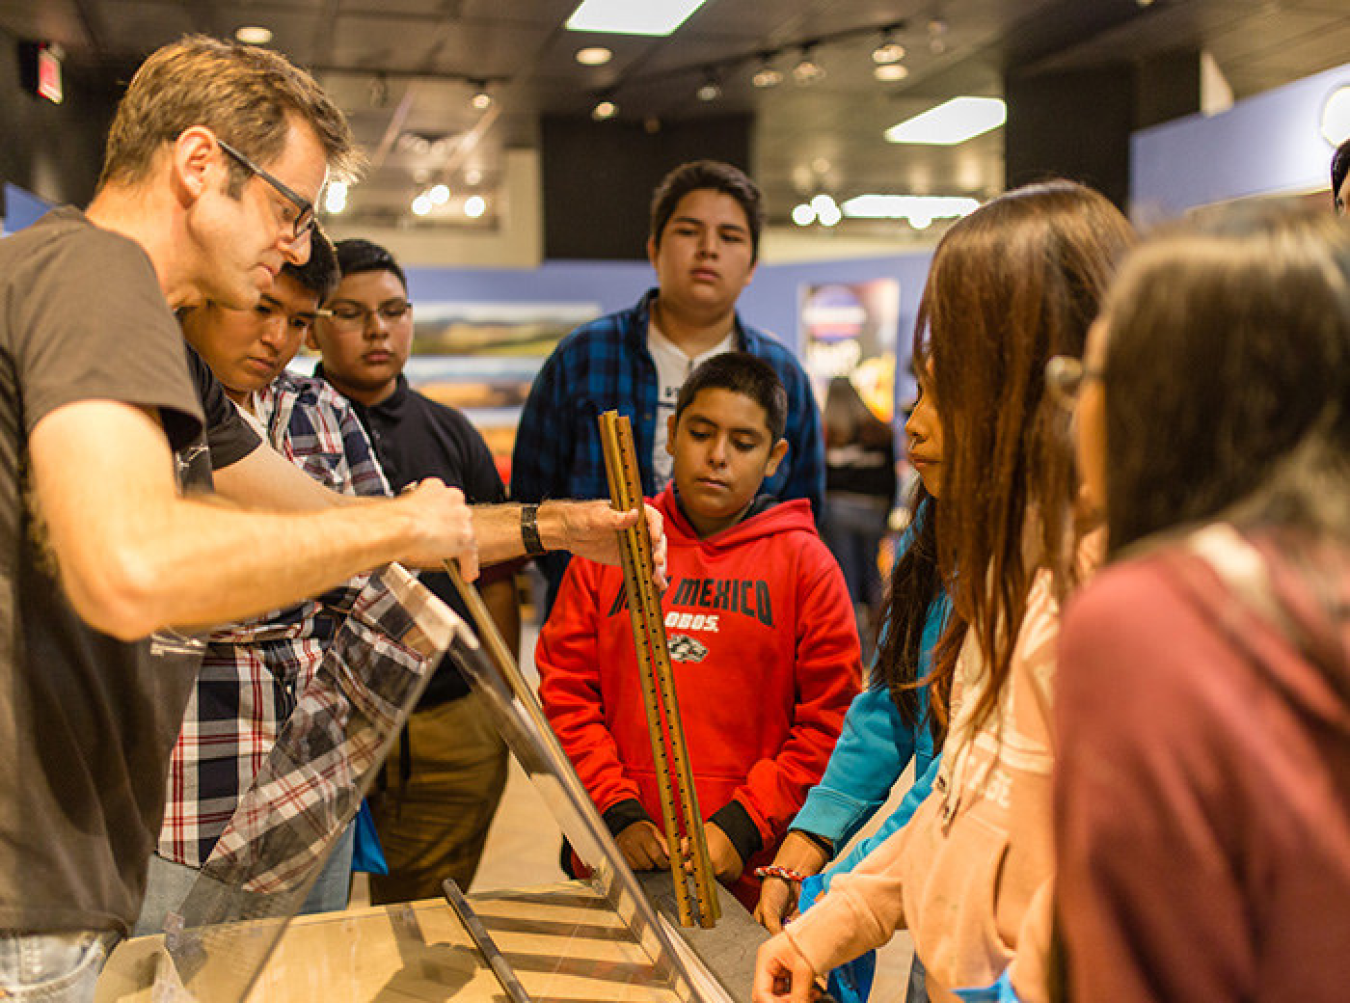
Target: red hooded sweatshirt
x,y
765,657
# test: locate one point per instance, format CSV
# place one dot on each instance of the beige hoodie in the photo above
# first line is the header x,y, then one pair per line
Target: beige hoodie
x,y
971,874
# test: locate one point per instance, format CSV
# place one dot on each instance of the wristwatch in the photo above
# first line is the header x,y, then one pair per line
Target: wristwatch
x,y
529,530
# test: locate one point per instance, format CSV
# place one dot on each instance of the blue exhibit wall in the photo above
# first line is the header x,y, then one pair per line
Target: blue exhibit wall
x,y
1265,144
771,301
21,209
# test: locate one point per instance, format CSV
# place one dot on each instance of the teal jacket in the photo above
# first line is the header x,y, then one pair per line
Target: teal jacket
x,y
875,747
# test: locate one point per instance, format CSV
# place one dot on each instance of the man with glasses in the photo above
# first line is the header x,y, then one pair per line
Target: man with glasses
x,y
108,538
297,211
104,548
445,777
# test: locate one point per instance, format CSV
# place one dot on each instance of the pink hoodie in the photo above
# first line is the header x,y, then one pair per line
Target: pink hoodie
x,y
971,874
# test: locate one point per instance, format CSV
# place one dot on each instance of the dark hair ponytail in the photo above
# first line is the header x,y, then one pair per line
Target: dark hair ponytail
x,y
915,586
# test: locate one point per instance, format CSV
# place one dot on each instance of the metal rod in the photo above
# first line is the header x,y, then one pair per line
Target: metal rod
x,y
494,957
674,775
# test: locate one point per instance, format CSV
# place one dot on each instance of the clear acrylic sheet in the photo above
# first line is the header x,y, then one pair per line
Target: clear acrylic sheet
x,y
600,940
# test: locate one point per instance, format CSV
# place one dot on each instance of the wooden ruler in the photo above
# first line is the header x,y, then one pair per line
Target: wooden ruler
x,y
675,779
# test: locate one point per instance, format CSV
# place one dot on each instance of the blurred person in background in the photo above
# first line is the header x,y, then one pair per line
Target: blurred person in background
x,y
859,492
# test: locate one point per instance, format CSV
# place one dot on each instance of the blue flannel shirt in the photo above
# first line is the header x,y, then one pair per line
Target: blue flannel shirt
x,y
605,365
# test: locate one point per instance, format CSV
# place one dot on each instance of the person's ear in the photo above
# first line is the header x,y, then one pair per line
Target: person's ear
x,y
780,449
195,158
671,424
651,251
750,275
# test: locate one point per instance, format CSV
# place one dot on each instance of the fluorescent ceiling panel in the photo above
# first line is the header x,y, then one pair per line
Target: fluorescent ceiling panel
x,y
632,17
908,206
954,122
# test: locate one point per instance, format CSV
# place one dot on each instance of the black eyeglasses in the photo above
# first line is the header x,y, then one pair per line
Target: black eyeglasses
x,y
1065,377
304,208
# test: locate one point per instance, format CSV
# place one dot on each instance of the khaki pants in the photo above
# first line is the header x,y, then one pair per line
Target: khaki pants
x,y
433,825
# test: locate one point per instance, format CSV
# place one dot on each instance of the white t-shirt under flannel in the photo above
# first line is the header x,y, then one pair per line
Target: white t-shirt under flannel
x,y
673,367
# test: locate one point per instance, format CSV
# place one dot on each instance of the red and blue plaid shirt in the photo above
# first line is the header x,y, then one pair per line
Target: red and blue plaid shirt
x,y
255,672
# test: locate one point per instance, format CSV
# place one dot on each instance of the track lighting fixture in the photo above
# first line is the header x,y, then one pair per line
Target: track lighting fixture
x,y
807,71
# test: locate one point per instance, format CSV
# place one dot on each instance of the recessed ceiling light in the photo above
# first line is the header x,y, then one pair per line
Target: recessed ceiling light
x,y
603,110
421,205
807,71
439,194
594,55
888,72
803,214
950,123
767,75
624,17
888,52
475,206
253,34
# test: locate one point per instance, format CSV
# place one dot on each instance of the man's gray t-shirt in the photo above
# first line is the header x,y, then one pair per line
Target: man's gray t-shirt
x,y
86,721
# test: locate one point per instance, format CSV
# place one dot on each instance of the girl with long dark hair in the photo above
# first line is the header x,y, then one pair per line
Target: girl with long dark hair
x,y
888,725
1011,285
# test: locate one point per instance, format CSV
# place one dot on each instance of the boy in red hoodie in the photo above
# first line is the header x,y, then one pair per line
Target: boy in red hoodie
x,y
761,631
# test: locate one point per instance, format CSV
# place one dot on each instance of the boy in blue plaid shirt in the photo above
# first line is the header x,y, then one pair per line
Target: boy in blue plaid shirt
x,y
704,244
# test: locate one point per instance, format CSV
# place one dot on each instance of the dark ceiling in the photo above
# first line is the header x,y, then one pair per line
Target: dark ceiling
x,y
403,70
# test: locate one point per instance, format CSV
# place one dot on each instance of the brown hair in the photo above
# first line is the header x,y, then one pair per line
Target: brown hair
x,y
708,175
1227,375
1011,285
245,94
848,419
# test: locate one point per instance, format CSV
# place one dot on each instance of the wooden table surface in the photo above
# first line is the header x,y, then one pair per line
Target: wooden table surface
x,y
564,942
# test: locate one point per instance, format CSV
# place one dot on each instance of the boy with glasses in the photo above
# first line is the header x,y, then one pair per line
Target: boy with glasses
x,y
445,777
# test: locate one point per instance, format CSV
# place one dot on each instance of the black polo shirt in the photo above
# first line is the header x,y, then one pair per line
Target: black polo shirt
x,y
416,438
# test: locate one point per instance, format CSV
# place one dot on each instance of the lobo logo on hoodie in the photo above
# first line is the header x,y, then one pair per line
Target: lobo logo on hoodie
x,y
684,648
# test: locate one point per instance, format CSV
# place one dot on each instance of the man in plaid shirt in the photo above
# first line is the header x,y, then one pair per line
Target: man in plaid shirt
x,y
704,243
256,672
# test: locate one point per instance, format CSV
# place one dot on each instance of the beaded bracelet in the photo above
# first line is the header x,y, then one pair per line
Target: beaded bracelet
x,y
774,871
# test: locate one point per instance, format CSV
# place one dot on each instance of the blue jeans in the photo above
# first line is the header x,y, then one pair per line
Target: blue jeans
x,y
168,883
52,967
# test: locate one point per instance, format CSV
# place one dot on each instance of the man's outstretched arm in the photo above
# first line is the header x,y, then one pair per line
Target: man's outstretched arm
x,y
265,479
134,556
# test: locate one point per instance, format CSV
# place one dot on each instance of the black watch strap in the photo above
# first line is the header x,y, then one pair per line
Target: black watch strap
x,y
529,530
